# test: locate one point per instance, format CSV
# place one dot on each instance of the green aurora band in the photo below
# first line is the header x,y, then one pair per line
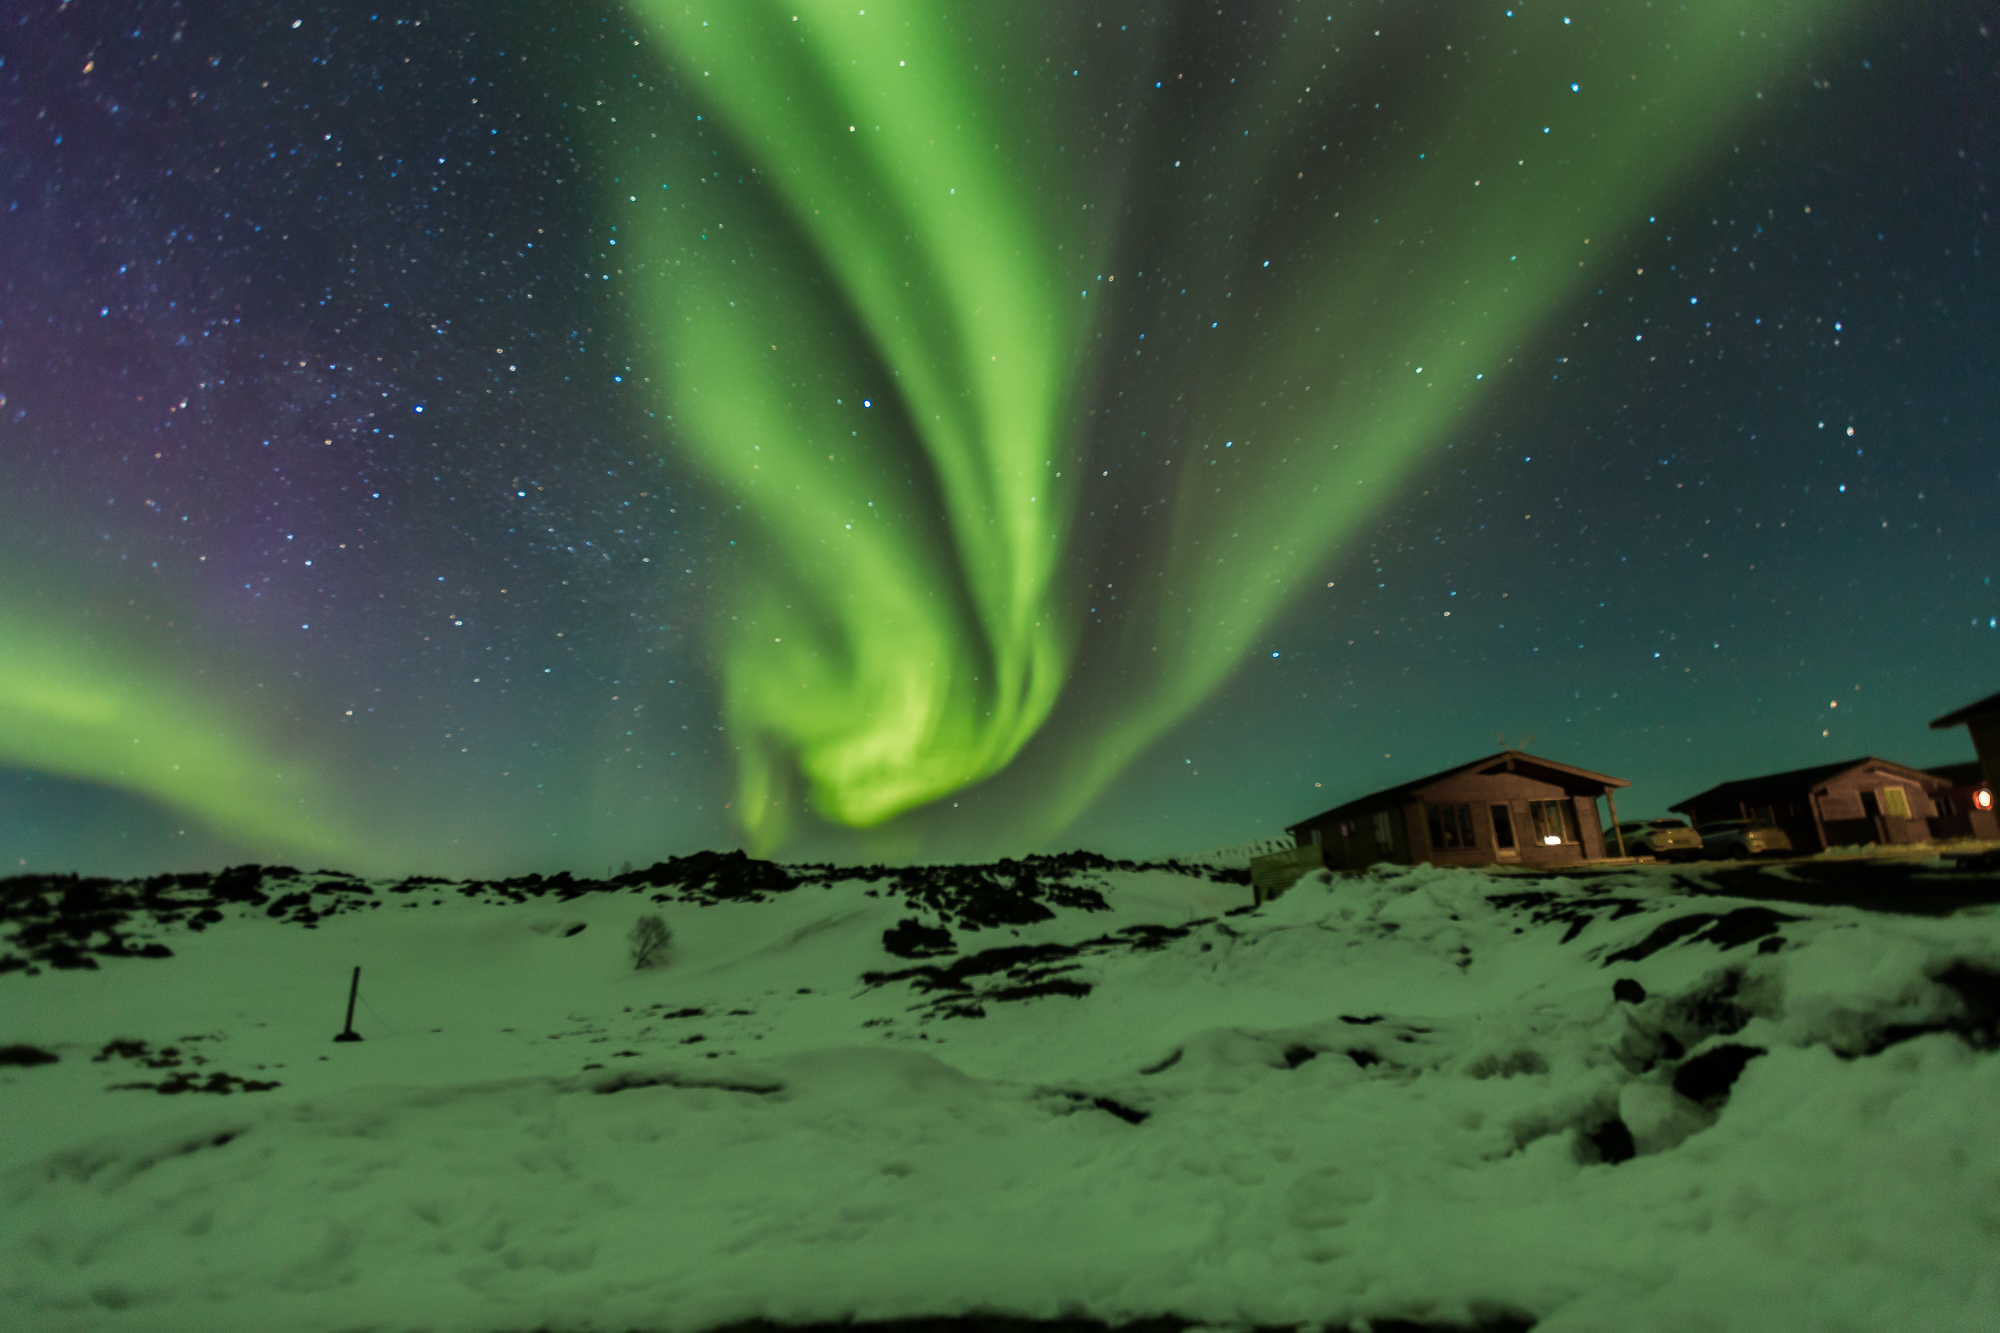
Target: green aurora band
x,y
93,703
956,217
891,676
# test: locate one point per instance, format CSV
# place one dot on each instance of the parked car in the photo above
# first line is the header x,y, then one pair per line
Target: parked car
x,y
1743,837
1666,839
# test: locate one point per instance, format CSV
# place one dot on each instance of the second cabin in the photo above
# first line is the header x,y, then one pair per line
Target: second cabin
x,y
1852,802
1510,808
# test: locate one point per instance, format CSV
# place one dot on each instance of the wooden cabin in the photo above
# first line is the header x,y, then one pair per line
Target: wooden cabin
x,y
1982,719
1509,808
1965,808
1828,805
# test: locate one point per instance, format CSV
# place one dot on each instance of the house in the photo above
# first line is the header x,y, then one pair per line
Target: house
x,y
1982,719
1828,805
1509,808
1965,808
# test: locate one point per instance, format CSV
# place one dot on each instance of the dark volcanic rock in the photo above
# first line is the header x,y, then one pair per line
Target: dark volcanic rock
x,y
1910,888
1744,925
1715,1008
182,1081
1664,934
1708,1077
911,938
1977,988
65,921
1609,1141
22,1054
718,877
1728,931
1030,971
1577,911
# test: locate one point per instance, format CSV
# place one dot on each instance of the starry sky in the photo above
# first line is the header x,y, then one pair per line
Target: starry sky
x,y
464,439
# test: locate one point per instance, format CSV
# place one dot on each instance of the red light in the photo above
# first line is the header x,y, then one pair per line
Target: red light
x,y
1983,798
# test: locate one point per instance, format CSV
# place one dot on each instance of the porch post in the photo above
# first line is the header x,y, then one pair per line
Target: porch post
x,y
1615,830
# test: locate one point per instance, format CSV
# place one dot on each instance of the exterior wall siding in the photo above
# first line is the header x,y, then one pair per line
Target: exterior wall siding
x,y
1986,744
1518,791
1359,849
1589,829
1853,810
1966,819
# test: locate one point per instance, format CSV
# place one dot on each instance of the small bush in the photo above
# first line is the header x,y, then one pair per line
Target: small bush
x,y
650,938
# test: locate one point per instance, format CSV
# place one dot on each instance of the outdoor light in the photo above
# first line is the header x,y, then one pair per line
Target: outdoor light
x,y
1551,840
1983,798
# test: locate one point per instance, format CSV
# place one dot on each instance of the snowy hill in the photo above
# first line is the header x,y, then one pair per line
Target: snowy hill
x,y
1063,1086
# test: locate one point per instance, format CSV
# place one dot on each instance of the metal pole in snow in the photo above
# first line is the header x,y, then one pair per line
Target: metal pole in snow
x,y
353,989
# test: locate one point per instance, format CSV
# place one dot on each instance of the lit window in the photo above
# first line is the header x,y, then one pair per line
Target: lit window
x,y
1554,822
1896,802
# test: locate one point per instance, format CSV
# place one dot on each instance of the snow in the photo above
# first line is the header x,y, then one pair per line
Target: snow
x,y
1379,1097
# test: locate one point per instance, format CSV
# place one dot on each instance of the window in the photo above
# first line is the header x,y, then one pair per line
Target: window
x,y
1451,825
1503,826
1554,822
1384,838
1896,801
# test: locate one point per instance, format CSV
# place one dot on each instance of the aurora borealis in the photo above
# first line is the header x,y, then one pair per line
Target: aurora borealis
x,y
440,441
928,645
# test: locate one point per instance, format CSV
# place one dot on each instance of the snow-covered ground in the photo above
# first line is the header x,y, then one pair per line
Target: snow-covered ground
x,y
1590,1103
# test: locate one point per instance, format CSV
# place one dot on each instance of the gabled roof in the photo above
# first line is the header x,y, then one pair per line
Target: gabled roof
x,y
1987,707
1796,780
1403,793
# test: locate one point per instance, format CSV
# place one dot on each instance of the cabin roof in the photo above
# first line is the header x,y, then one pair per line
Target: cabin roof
x,y
1987,707
1514,760
1793,781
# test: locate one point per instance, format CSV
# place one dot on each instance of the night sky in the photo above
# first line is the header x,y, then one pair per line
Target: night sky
x,y
477,439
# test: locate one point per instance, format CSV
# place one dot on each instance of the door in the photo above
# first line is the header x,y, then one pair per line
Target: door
x,y
1503,833
1872,809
